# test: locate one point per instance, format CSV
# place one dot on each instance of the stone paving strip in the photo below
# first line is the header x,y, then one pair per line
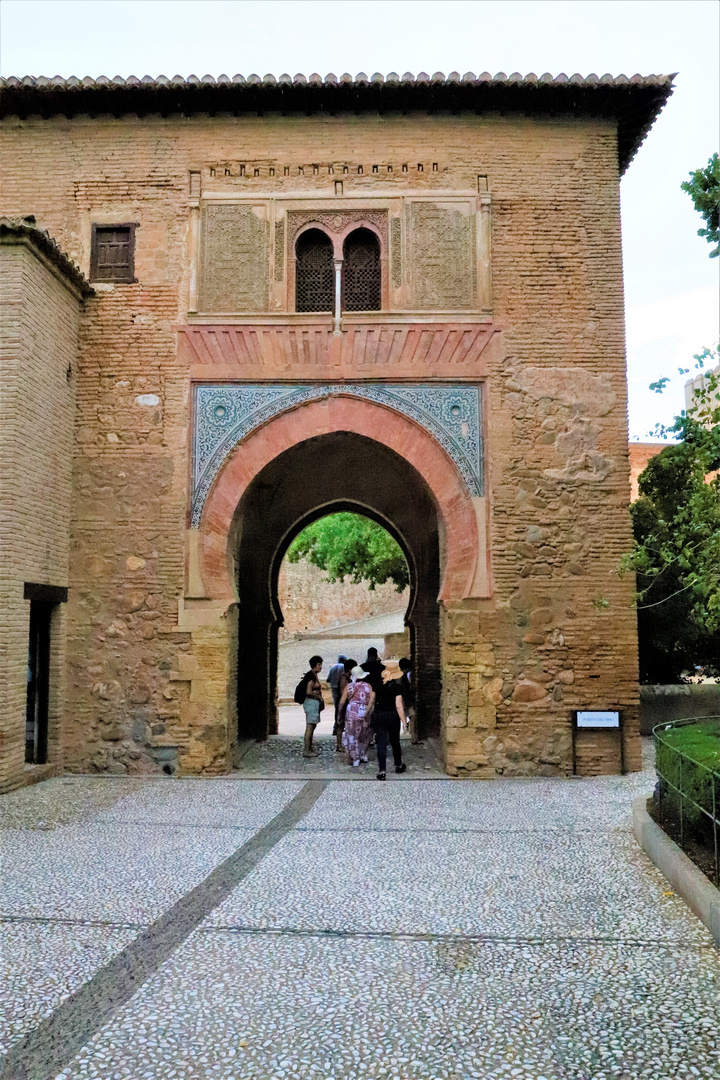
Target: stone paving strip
x,y
58,1037
414,931
44,962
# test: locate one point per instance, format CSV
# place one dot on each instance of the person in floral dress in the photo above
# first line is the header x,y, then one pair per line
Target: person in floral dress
x,y
345,680
357,700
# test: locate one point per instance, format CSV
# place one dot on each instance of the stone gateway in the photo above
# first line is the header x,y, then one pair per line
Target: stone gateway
x,y
233,306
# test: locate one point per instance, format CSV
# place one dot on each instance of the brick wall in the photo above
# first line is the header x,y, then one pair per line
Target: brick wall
x,y
558,632
39,317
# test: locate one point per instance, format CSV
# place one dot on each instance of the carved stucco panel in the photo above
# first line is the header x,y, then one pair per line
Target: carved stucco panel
x,y
443,265
234,263
336,221
396,252
279,250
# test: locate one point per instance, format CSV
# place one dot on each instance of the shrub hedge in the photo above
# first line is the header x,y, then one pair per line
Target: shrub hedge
x,y
700,745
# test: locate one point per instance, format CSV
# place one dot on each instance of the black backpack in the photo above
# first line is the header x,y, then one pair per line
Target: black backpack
x,y
301,691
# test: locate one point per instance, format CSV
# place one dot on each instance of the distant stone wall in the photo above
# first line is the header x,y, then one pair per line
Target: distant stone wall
x,y
309,602
640,454
663,704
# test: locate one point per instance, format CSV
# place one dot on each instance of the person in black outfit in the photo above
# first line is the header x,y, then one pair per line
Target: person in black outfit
x,y
374,668
407,687
385,722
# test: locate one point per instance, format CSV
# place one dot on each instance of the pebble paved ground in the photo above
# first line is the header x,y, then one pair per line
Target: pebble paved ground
x,y
243,928
282,755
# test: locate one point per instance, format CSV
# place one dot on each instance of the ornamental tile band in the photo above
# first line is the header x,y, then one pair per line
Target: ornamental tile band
x,y
224,415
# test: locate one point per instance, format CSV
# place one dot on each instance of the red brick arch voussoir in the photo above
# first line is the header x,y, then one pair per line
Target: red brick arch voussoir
x,y
334,414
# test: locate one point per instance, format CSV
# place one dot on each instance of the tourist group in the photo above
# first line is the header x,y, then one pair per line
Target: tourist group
x,y
369,704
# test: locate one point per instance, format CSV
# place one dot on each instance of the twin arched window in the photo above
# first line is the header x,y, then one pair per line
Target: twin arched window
x,y
315,278
314,274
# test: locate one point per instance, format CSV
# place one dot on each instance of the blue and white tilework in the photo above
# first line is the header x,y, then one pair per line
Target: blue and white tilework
x,y
224,415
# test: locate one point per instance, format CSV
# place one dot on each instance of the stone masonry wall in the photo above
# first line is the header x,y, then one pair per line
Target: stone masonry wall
x,y
559,631
310,602
39,319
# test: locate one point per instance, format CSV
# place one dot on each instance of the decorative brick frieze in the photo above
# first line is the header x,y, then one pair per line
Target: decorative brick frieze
x,y
374,348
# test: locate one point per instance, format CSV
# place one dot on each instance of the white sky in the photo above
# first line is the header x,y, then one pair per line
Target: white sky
x,y
671,285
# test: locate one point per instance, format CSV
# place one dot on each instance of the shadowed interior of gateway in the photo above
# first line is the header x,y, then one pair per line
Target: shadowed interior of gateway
x,y
320,476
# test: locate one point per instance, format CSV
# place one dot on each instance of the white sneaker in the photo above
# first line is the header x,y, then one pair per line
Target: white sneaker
x,y
355,764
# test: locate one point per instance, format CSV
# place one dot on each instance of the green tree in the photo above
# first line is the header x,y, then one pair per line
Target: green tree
x,y
703,187
676,524
350,545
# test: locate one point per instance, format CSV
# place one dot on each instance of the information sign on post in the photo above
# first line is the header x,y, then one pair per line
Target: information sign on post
x,y
597,720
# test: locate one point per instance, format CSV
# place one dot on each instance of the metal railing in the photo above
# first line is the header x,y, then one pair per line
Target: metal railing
x,y
686,765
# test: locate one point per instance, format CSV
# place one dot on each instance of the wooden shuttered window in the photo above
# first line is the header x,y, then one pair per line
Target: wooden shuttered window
x,y
112,253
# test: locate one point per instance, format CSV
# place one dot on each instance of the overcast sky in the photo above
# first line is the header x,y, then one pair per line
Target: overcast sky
x,y
671,285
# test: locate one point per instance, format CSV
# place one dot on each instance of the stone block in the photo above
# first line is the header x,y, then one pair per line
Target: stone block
x,y
457,720
188,665
460,655
493,691
463,625
527,691
541,617
112,732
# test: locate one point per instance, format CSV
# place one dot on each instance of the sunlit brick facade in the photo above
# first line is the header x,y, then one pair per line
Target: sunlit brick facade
x,y
460,238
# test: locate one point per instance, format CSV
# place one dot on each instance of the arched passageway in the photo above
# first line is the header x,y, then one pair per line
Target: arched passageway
x,y
321,475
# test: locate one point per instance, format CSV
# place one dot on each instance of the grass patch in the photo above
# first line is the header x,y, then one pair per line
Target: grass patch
x,y
701,742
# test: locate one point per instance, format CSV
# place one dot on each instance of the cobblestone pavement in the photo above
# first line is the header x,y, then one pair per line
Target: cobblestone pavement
x,y
237,928
282,755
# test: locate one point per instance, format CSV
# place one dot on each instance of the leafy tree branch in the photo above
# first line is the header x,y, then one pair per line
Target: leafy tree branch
x,y
703,187
676,525
350,545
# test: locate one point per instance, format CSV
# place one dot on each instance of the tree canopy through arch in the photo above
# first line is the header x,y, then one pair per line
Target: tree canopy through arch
x,y
354,546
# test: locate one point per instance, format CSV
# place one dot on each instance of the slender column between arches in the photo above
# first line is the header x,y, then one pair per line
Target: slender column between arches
x,y
337,311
